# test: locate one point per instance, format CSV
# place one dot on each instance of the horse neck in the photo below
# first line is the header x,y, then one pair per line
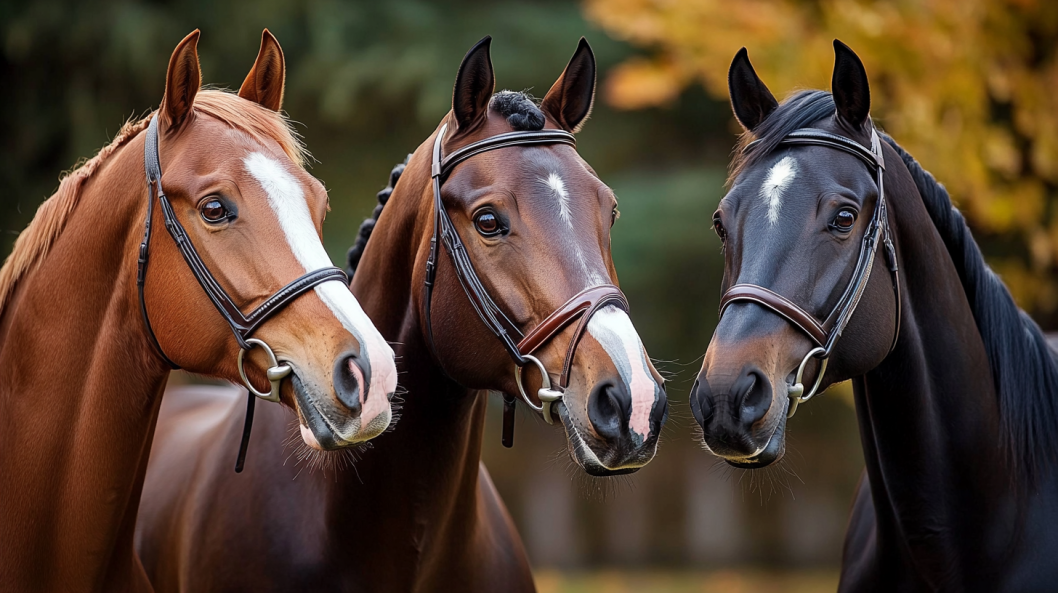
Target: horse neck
x,y
79,394
433,455
928,414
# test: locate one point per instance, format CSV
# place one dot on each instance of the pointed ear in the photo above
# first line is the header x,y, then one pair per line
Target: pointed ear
x,y
264,84
570,99
182,82
751,100
475,83
852,92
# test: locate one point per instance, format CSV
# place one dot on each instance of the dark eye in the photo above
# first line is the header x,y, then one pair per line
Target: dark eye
x,y
844,220
487,223
614,215
213,210
718,227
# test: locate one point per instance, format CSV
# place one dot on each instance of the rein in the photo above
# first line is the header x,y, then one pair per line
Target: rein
x,y
242,326
825,334
519,347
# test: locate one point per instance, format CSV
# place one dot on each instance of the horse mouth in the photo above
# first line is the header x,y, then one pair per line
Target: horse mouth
x,y
773,451
316,425
585,457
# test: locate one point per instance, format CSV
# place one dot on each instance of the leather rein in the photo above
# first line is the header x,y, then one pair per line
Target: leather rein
x,y
825,334
580,307
242,326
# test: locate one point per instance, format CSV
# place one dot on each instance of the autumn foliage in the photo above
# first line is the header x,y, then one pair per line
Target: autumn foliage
x,y
970,87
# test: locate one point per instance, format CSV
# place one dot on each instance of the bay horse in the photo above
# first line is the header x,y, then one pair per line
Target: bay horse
x,y
89,331
830,231
420,513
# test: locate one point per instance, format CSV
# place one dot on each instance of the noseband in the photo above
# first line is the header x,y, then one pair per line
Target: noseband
x,y
825,334
243,326
520,347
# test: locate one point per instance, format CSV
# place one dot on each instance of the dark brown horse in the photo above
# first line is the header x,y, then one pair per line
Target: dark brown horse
x,y
419,513
81,379
955,387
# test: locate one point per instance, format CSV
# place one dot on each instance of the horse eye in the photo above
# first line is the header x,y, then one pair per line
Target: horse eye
x,y
718,227
487,224
214,211
844,220
614,215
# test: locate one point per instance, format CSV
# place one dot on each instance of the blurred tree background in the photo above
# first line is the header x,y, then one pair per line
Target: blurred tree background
x,y
968,86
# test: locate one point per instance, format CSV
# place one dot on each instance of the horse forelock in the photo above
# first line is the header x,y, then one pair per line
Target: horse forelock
x,y
34,243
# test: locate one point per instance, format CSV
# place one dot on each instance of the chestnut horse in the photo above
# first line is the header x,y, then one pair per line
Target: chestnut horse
x,y
420,513
79,360
955,387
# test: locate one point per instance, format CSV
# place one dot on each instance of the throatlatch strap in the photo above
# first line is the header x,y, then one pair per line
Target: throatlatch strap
x,y
247,426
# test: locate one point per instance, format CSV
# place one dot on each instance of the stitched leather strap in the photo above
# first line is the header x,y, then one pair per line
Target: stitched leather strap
x,y
242,326
826,334
779,304
582,306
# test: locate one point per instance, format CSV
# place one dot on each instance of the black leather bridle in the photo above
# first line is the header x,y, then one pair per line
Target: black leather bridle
x,y
520,347
825,334
242,326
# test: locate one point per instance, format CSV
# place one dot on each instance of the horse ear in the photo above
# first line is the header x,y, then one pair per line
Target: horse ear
x,y
751,100
570,99
475,83
182,82
264,84
852,92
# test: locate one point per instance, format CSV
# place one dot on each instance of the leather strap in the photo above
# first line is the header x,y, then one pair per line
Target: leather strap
x,y
826,334
242,326
582,306
779,304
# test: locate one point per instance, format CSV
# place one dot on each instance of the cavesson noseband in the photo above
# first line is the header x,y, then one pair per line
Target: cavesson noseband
x,y
520,347
243,326
825,334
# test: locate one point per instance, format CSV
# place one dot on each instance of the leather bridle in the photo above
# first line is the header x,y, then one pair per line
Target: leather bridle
x,y
580,306
242,326
825,334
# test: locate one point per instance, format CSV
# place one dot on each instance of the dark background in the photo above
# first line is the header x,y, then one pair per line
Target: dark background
x,y
368,81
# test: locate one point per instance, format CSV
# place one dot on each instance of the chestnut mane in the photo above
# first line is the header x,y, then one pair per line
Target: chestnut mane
x,y
36,240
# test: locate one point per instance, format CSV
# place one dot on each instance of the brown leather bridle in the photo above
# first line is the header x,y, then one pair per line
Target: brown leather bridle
x,y
580,306
243,326
825,334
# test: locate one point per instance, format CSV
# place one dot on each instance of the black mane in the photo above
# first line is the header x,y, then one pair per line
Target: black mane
x,y
357,250
1023,365
798,111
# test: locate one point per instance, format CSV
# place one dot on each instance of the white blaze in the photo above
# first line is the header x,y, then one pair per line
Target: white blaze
x,y
557,185
287,200
559,188
614,331
779,177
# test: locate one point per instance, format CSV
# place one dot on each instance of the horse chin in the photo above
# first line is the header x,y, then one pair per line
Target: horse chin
x,y
581,452
772,452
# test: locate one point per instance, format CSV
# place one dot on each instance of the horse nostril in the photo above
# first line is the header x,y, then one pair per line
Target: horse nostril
x,y
701,406
347,384
753,392
609,409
